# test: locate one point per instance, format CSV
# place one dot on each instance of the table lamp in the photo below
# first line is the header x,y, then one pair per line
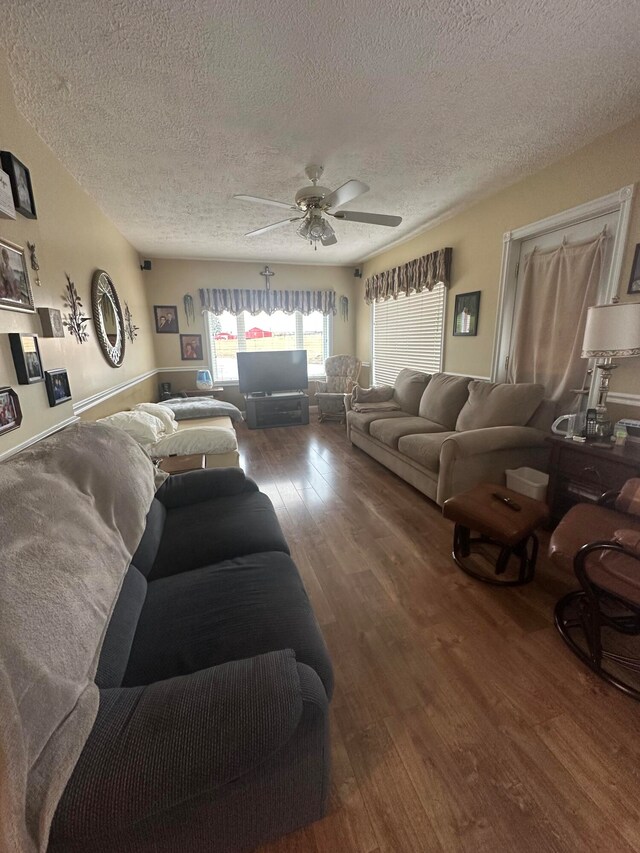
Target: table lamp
x,y
612,331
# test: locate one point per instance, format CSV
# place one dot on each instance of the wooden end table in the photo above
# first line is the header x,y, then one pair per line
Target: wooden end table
x,y
180,464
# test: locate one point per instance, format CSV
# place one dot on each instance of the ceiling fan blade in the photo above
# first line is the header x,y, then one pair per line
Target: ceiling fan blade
x,y
258,200
347,192
273,225
329,239
370,218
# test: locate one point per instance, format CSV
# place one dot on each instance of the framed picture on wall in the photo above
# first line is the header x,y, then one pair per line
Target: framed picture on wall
x,y
10,411
15,287
21,188
166,317
26,358
634,279
191,347
57,384
465,315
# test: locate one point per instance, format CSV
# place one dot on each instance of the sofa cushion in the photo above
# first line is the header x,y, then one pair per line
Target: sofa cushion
x,y
363,420
424,449
232,610
118,639
443,398
389,431
150,542
409,388
503,404
203,533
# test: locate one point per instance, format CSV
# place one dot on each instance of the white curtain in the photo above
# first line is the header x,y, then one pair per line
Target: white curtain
x,y
557,288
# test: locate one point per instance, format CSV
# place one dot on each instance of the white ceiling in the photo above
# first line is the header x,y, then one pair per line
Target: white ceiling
x,y
163,109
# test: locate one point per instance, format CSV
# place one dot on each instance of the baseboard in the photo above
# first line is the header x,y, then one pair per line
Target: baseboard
x,y
35,438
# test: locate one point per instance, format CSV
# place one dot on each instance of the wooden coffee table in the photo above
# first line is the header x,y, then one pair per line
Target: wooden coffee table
x,y
180,464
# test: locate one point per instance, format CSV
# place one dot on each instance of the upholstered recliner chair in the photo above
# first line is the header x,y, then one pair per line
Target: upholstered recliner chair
x,y
600,622
342,373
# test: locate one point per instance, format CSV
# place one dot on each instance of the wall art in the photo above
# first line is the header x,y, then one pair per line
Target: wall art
x,y
7,205
131,330
191,347
15,287
51,322
76,320
26,358
10,411
189,308
166,317
35,266
57,384
465,315
21,188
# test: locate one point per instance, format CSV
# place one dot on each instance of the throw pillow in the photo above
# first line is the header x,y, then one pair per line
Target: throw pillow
x,y
444,397
162,412
504,404
146,429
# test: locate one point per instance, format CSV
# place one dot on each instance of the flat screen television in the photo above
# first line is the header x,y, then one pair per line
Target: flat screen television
x,y
272,372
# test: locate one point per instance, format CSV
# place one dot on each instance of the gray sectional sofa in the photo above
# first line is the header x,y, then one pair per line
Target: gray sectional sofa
x,y
444,433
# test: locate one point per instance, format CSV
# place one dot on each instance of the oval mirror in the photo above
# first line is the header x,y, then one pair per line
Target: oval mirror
x,y
107,316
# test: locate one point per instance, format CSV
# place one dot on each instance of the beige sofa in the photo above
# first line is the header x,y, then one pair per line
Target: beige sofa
x,y
444,433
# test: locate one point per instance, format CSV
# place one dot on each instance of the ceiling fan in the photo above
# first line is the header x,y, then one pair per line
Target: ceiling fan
x,y
316,202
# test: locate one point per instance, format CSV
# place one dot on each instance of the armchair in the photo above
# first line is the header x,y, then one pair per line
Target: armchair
x,y
342,373
602,545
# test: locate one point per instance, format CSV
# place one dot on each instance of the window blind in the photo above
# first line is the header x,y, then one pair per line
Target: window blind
x,y
408,332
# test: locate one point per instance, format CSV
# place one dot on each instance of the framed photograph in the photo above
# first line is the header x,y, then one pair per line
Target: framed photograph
x,y
465,315
634,279
10,411
191,347
20,184
166,319
15,287
26,358
57,383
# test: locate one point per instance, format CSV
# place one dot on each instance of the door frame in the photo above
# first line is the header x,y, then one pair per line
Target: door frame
x,y
619,201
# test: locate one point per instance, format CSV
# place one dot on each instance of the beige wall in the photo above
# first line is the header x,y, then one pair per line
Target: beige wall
x,y
476,237
71,235
169,281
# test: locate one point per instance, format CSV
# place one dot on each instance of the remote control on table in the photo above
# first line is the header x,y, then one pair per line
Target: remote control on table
x,y
507,501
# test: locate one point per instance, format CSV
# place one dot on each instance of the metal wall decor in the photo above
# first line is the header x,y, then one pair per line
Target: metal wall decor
x,y
189,309
35,266
130,329
75,320
344,308
107,318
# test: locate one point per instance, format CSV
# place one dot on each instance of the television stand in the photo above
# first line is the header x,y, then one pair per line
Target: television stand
x,y
277,410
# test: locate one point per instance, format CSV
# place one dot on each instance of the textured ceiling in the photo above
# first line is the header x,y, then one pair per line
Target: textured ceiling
x,y
163,110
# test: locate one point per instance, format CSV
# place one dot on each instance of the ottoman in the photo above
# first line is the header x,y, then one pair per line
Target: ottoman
x,y
501,517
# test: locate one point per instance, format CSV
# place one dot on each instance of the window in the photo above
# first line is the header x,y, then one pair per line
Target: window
x,y
408,332
229,334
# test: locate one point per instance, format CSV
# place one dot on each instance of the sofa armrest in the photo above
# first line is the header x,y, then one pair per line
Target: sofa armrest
x,y
152,748
482,455
194,487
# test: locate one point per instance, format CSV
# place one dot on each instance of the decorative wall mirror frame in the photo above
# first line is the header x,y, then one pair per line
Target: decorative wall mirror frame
x,y
107,317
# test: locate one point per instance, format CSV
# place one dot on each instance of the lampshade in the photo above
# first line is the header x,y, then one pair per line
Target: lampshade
x,y
612,331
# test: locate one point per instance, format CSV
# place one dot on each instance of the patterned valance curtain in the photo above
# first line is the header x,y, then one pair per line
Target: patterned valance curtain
x,y
219,300
417,275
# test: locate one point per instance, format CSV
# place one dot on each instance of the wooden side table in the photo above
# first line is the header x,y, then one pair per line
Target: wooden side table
x,y
581,473
180,464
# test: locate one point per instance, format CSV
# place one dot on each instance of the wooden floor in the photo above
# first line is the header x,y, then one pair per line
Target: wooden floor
x,y
460,721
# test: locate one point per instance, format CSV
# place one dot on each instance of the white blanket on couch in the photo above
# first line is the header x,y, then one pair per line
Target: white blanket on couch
x,y
73,512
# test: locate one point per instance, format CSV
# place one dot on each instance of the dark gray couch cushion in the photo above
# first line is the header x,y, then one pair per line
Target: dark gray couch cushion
x,y
116,647
150,542
204,533
228,611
